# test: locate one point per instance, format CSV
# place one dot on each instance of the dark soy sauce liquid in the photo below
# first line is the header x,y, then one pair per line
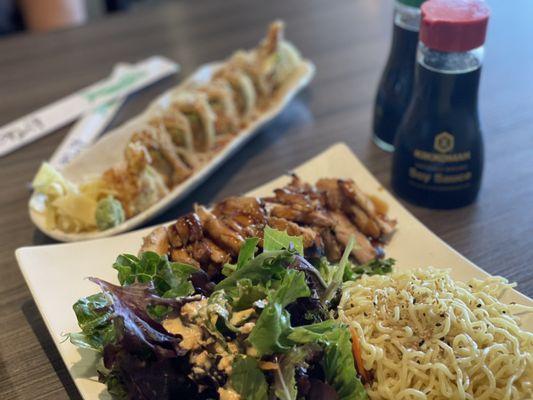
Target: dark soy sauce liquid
x,y
396,85
438,160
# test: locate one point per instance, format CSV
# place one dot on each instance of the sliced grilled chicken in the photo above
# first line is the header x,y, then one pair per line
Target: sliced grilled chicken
x,y
245,215
363,250
156,241
326,216
187,229
336,200
219,232
294,214
310,237
345,195
356,195
333,196
245,210
206,252
367,225
332,248
183,256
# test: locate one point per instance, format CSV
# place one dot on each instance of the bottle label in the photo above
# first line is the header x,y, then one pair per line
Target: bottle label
x,y
441,168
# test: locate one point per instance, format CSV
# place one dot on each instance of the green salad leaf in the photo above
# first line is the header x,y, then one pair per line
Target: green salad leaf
x,y
284,377
337,274
246,253
377,266
244,294
292,287
259,270
94,316
248,380
170,279
338,361
339,366
219,315
273,325
313,333
278,240
270,331
271,289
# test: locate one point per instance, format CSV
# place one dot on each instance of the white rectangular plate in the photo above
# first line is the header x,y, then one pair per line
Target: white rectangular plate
x,y
104,154
55,273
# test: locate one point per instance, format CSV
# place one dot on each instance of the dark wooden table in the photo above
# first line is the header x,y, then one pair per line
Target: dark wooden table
x,y
348,40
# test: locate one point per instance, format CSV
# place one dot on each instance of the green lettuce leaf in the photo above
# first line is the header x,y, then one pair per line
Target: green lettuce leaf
x,y
246,253
248,380
169,279
278,240
339,366
337,274
284,377
245,294
338,360
94,316
260,270
313,333
373,267
115,386
273,325
269,335
292,287
218,315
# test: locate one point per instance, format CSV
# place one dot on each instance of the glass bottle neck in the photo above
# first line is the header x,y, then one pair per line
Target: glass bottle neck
x,y
447,83
449,62
405,36
406,17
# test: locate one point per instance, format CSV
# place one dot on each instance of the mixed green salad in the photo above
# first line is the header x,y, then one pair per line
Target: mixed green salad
x,y
266,331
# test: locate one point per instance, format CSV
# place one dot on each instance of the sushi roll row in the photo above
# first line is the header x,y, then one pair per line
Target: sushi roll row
x,y
200,120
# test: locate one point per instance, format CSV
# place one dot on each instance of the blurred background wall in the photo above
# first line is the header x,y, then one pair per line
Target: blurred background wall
x,y
47,15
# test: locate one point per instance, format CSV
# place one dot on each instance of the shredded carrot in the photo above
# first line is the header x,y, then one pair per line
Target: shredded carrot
x,y
268,366
356,350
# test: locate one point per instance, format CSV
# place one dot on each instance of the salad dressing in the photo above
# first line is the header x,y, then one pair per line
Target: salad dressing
x,y
192,335
239,317
228,394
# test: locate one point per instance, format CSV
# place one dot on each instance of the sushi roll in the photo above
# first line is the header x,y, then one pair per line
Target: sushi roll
x,y
243,91
134,182
220,97
176,124
276,59
163,156
195,106
270,65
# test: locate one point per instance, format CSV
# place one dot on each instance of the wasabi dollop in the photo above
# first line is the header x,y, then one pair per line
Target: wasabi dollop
x,y
109,213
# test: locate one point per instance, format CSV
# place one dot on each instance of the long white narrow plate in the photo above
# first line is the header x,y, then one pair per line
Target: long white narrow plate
x,y
55,273
109,150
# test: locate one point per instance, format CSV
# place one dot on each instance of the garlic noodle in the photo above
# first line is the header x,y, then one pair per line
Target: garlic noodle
x,y
426,336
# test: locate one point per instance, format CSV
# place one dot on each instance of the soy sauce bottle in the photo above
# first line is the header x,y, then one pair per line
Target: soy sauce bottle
x,y
395,86
438,160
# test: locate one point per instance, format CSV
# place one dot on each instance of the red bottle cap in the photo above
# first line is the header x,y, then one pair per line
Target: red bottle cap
x,y
454,25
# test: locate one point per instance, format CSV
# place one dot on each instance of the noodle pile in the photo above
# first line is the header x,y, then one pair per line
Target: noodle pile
x,y
425,336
